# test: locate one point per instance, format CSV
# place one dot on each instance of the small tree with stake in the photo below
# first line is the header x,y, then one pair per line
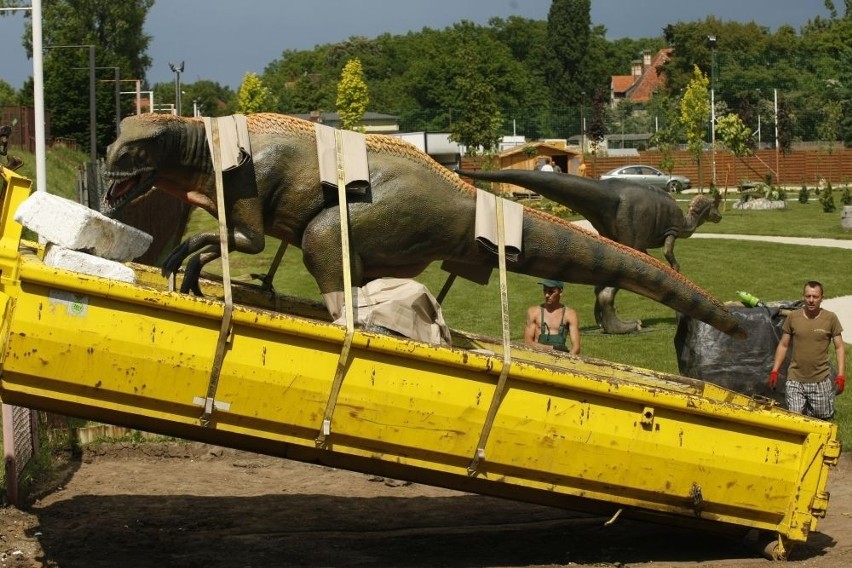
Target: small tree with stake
x,y
694,115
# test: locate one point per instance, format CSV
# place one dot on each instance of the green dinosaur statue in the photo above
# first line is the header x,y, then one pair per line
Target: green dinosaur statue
x,y
639,216
414,213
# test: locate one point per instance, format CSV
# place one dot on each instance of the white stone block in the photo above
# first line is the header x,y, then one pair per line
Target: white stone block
x,y
76,227
76,261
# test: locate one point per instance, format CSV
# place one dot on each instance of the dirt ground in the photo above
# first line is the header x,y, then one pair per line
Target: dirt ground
x,y
187,505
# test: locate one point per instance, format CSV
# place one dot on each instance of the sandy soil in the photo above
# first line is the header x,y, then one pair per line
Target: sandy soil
x,y
187,505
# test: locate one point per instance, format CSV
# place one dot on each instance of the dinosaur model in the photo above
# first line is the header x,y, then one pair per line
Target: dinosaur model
x,y
639,216
415,212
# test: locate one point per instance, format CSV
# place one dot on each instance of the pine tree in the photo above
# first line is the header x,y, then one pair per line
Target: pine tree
x,y
352,96
253,95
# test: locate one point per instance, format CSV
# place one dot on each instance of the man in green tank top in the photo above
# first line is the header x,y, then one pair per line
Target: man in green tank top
x,y
810,389
552,323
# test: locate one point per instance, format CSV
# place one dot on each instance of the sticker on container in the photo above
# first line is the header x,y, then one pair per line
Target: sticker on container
x,y
76,305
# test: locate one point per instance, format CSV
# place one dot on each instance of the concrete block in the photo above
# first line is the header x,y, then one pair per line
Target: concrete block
x,y
76,227
84,263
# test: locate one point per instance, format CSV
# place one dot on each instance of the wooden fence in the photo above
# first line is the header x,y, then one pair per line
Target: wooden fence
x,y
803,166
23,131
800,167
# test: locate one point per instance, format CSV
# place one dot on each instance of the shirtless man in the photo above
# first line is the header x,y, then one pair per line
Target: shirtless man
x,y
552,323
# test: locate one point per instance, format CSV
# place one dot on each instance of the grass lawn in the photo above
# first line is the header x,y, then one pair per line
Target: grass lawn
x,y
770,271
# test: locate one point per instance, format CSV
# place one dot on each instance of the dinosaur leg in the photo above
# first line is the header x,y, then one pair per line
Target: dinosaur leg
x,y
598,311
606,315
322,255
238,241
193,269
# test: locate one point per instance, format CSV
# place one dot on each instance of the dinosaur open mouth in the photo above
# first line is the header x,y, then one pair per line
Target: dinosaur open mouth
x,y
123,189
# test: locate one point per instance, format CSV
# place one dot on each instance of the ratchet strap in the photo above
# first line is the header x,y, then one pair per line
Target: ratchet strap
x,y
209,403
500,389
349,309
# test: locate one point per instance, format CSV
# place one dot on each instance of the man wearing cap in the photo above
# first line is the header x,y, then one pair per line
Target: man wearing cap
x,y
552,323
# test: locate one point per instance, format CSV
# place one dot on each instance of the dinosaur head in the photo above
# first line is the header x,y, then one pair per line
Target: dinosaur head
x,y
701,209
136,158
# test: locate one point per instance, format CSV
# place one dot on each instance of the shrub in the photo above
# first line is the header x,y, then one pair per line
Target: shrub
x,y
776,194
826,199
804,194
846,198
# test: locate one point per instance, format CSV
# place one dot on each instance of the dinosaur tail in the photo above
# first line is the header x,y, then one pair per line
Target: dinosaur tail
x,y
558,249
562,188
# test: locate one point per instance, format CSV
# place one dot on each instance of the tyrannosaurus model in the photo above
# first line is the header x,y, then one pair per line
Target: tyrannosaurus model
x,y
415,212
639,216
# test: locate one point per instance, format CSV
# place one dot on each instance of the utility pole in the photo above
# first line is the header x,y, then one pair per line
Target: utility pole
x,y
177,69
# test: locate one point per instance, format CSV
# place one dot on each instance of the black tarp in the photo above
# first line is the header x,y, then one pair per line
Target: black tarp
x,y
742,365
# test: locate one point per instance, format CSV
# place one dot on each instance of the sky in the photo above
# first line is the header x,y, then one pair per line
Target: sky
x,y
222,40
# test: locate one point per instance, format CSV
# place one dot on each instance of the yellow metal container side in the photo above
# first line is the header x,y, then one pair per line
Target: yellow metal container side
x,y
570,431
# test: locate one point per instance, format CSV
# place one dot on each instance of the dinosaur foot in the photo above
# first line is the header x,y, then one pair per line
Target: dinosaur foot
x,y
616,326
606,316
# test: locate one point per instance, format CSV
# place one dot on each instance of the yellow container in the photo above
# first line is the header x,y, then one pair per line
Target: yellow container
x,y
569,432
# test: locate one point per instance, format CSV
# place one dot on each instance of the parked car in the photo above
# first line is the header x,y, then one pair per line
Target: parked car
x,y
649,175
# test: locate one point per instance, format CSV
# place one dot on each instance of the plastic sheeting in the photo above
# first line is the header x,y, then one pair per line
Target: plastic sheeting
x,y
742,365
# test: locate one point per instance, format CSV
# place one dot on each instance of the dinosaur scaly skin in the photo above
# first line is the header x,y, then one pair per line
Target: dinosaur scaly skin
x,y
415,212
635,215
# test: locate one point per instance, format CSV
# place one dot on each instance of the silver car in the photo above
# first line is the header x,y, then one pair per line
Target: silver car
x,y
649,175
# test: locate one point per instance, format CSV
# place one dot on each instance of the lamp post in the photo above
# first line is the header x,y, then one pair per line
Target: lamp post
x,y
711,43
177,69
93,138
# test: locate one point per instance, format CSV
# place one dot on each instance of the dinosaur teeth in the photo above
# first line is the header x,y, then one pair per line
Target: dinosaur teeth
x,y
117,189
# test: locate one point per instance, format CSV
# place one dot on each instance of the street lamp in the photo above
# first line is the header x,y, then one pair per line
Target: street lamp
x,y
93,138
177,69
711,43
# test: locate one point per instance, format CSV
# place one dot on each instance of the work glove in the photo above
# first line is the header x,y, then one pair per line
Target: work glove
x,y
839,383
773,379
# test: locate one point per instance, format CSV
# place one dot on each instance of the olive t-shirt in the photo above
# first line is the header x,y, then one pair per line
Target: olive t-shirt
x,y
811,338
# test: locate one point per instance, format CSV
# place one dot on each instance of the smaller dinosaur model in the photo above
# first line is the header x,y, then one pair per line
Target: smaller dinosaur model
x,y
639,216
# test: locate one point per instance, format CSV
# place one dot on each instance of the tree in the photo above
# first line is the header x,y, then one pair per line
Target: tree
x,y
735,136
116,31
8,96
597,124
829,127
785,121
480,120
352,96
432,84
668,135
253,96
208,97
694,115
569,36
302,80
